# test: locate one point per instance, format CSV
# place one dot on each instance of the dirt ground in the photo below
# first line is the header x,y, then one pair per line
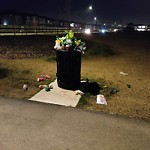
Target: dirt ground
x,y
131,56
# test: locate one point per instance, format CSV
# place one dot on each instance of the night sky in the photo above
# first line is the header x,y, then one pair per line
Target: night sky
x,y
106,11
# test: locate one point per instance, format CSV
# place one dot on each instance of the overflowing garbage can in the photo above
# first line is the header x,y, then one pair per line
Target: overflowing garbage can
x,y
68,57
68,69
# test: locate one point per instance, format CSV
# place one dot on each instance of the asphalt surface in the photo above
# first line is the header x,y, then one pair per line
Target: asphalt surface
x,y
27,125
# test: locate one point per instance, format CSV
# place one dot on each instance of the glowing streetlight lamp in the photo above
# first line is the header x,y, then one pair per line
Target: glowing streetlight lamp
x,y
90,7
95,18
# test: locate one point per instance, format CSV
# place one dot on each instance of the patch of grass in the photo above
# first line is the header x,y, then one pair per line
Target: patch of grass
x,y
51,58
96,47
100,50
88,98
4,72
18,82
84,101
26,71
99,66
108,91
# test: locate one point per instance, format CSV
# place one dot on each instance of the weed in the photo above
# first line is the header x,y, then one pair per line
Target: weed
x,y
26,71
51,58
4,73
108,91
101,50
83,101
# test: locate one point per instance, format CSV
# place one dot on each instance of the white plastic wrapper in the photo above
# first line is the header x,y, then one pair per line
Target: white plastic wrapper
x,y
101,99
25,87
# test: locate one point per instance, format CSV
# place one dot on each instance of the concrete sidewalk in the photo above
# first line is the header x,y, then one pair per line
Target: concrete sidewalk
x,y
28,125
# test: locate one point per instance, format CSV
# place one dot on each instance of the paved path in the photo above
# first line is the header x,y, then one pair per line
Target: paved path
x,y
27,125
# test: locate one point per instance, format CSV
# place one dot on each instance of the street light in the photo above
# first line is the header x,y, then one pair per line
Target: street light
x,y
90,7
95,18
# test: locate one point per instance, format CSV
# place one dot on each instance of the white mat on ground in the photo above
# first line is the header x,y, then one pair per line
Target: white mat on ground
x,y
57,96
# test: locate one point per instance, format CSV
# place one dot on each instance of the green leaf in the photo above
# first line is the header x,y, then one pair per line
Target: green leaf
x,y
70,35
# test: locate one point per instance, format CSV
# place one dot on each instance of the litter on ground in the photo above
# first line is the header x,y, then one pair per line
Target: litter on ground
x,y
124,73
101,99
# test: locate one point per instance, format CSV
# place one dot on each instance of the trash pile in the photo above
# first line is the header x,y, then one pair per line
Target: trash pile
x,y
69,42
100,90
46,87
86,87
43,77
41,86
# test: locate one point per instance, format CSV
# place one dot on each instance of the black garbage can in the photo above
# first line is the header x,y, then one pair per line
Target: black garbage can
x,y
68,69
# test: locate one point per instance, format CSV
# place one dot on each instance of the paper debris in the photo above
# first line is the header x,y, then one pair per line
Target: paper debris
x,y
42,86
101,99
124,73
79,92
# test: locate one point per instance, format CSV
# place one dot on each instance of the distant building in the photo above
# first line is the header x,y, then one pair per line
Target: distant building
x,y
15,18
137,27
148,27
130,27
140,27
